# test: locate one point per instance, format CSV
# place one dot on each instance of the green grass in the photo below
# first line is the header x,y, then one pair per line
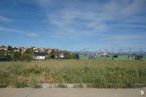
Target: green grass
x,y
94,73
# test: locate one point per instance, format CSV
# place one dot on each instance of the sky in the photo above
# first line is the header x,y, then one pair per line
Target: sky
x,y
74,24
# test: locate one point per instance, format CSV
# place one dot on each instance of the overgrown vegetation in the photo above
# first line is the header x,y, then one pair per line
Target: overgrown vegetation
x,y
94,73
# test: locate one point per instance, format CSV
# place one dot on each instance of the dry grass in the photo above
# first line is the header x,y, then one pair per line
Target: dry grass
x,y
96,73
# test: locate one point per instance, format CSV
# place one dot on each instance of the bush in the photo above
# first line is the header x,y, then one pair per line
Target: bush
x,y
16,56
8,57
20,84
34,83
26,57
2,83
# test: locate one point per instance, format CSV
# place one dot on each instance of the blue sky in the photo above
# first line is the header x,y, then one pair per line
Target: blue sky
x,y
74,24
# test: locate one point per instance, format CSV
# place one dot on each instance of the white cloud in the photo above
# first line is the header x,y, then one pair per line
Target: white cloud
x,y
33,34
133,8
126,37
76,22
79,22
43,3
10,30
119,10
129,25
27,33
4,19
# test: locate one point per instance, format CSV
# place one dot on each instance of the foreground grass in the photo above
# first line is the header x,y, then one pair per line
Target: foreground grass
x,y
94,73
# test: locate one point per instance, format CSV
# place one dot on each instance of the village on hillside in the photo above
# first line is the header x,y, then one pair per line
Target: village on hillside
x,y
8,53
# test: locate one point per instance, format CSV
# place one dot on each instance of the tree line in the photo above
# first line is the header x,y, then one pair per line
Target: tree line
x,y
11,55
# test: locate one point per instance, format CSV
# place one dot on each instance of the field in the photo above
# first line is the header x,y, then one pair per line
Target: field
x,y
93,73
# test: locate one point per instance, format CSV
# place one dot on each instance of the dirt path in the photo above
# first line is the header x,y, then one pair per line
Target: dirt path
x,y
70,92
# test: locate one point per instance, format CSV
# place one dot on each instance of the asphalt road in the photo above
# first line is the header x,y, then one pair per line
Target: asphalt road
x,y
70,92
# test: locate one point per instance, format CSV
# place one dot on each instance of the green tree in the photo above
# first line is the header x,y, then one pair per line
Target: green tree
x,y
2,54
68,55
10,48
75,56
27,55
53,54
16,56
29,51
8,57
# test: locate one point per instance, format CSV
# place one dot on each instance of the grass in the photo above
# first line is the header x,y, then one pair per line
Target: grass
x,y
94,73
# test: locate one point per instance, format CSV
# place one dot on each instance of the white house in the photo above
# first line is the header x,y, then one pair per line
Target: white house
x,y
102,54
39,55
61,55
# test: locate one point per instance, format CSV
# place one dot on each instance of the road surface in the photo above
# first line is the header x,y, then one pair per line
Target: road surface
x,y
71,92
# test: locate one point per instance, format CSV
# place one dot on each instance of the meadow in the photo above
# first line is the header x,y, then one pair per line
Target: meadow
x,y
93,73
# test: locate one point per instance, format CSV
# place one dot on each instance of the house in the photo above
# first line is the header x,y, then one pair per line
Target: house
x,y
35,50
48,50
17,49
3,48
39,55
22,49
61,55
102,54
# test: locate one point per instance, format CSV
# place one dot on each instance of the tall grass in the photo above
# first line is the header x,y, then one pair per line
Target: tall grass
x,y
94,73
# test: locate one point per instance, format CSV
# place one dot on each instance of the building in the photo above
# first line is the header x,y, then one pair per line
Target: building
x,y
102,54
3,48
39,55
61,55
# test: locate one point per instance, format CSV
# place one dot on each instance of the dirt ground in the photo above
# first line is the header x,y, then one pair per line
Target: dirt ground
x,y
70,92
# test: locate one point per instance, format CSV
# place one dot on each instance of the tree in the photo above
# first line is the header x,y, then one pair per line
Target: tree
x,y
54,54
16,56
10,48
29,51
2,54
75,56
27,55
8,57
68,55
5,56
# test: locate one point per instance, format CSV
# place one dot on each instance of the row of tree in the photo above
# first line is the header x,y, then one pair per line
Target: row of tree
x,y
10,55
